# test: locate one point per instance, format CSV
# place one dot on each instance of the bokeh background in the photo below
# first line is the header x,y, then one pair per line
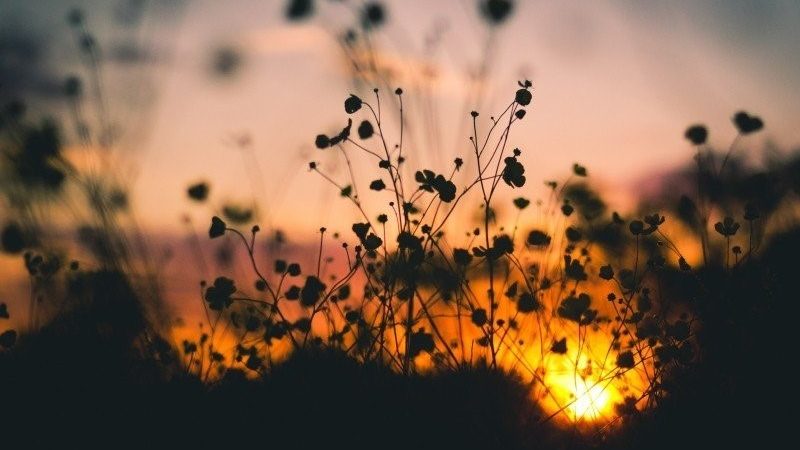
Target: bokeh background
x,y
231,92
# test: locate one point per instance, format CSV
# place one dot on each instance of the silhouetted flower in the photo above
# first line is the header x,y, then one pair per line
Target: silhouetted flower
x,y
3,311
574,308
421,341
461,257
352,104
746,123
521,202
625,360
728,227
198,192
606,272
299,9
322,141
219,295
237,214
559,346
12,238
496,11
513,172
8,338
654,220
293,269
636,227
527,303
365,130
373,15
523,97
538,238
311,291
377,185
573,234
697,134
479,317
217,227
579,170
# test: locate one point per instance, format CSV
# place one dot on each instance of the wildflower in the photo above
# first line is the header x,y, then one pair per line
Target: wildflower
x,y
728,227
697,134
373,15
217,227
606,272
198,192
219,295
352,104
496,11
521,202
479,317
559,346
746,123
523,97
365,130
538,238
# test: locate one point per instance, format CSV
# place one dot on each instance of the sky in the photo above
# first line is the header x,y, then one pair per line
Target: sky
x,y
616,82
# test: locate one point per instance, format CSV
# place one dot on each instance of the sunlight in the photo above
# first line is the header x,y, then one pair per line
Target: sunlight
x,y
590,400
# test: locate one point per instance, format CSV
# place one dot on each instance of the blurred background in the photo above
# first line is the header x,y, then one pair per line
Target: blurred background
x,y
233,93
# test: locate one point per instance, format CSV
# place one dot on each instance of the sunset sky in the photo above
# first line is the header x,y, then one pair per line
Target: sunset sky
x,y
616,83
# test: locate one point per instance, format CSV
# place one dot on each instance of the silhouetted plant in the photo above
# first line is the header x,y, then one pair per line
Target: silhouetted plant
x,y
422,296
